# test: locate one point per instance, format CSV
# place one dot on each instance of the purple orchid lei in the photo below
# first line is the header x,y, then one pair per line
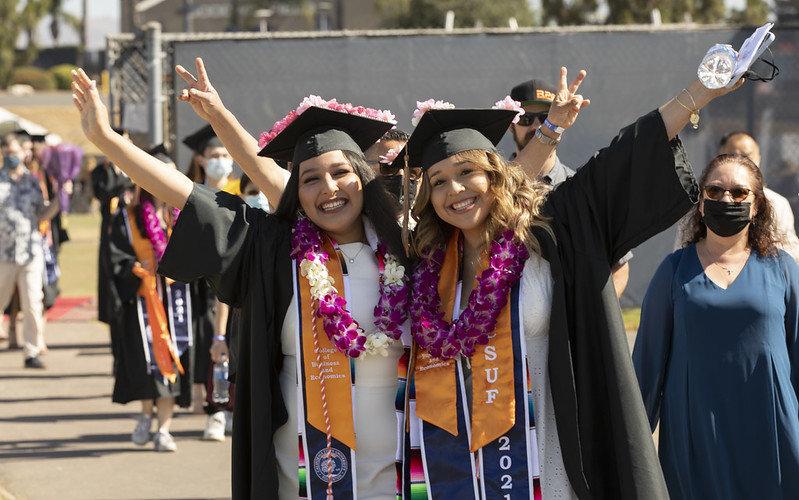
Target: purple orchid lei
x,y
152,226
475,325
339,325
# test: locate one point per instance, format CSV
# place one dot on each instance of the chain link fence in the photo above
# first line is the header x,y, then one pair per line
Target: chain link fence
x,y
631,70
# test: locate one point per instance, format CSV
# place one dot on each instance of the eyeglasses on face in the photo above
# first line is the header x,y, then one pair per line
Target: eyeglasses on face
x,y
528,119
716,193
386,169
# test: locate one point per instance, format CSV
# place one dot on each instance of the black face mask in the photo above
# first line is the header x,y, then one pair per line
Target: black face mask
x,y
726,219
393,185
755,75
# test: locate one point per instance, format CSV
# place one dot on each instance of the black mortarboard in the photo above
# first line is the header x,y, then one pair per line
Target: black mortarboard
x,y
533,92
202,139
320,130
161,153
442,133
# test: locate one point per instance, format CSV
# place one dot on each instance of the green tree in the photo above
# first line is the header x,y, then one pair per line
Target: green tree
x,y
18,18
468,13
564,13
709,11
640,11
59,16
29,17
755,13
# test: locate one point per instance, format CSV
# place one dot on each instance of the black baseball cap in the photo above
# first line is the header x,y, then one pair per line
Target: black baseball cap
x,y
534,92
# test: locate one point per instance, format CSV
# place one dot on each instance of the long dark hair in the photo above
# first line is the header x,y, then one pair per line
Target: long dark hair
x,y
762,234
378,205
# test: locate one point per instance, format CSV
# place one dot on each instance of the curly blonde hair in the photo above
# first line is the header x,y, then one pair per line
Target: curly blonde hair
x,y
517,205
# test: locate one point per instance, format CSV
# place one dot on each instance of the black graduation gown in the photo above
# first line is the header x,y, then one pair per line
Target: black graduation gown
x,y
131,380
106,184
244,255
626,193
203,307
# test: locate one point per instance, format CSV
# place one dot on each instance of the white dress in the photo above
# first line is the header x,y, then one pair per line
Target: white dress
x,y
536,297
375,393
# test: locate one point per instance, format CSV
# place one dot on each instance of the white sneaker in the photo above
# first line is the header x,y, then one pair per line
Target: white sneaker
x,y
141,434
215,427
164,442
228,422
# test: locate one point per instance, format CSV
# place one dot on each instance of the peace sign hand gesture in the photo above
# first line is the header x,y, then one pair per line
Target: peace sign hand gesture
x,y
568,103
202,96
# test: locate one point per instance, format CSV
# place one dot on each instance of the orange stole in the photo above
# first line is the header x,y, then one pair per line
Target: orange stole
x,y
493,401
335,364
163,349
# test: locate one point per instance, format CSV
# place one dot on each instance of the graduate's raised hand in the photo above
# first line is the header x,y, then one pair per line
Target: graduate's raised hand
x,y
202,96
567,103
93,113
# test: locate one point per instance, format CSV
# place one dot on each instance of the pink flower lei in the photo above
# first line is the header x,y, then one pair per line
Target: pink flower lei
x,y
316,101
152,226
475,325
339,325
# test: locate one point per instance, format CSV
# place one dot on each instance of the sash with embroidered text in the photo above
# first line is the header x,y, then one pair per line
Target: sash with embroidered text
x,y
320,363
471,431
167,305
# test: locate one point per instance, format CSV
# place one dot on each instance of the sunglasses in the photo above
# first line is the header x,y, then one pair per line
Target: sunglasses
x,y
528,119
414,172
716,193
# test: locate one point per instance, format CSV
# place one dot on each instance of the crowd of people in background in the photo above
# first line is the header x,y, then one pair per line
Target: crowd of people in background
x,y
405,290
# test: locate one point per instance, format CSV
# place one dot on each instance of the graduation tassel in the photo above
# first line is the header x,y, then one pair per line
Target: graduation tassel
x,y
406,205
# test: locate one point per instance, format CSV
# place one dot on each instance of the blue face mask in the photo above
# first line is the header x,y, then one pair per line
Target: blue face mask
x,y
11,162
216,168
258,201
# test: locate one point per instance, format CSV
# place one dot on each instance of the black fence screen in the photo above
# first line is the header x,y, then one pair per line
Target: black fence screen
x,y
630,72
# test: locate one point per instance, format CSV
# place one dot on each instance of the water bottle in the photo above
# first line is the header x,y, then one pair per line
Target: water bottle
x,y
221,392
718,66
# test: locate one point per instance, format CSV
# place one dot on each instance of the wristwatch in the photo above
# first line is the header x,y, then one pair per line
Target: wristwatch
x,y
549,141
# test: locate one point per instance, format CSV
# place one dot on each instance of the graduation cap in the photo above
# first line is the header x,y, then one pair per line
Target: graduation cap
x,y
442,133
202,139
319,130
161,153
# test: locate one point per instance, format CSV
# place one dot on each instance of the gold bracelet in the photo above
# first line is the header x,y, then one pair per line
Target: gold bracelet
x,y
694,118
691,97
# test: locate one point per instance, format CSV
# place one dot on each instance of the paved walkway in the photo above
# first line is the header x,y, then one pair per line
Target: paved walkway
x,y
61,437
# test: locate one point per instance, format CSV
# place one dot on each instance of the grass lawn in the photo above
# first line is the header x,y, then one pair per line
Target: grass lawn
x,y
78,258
631,317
